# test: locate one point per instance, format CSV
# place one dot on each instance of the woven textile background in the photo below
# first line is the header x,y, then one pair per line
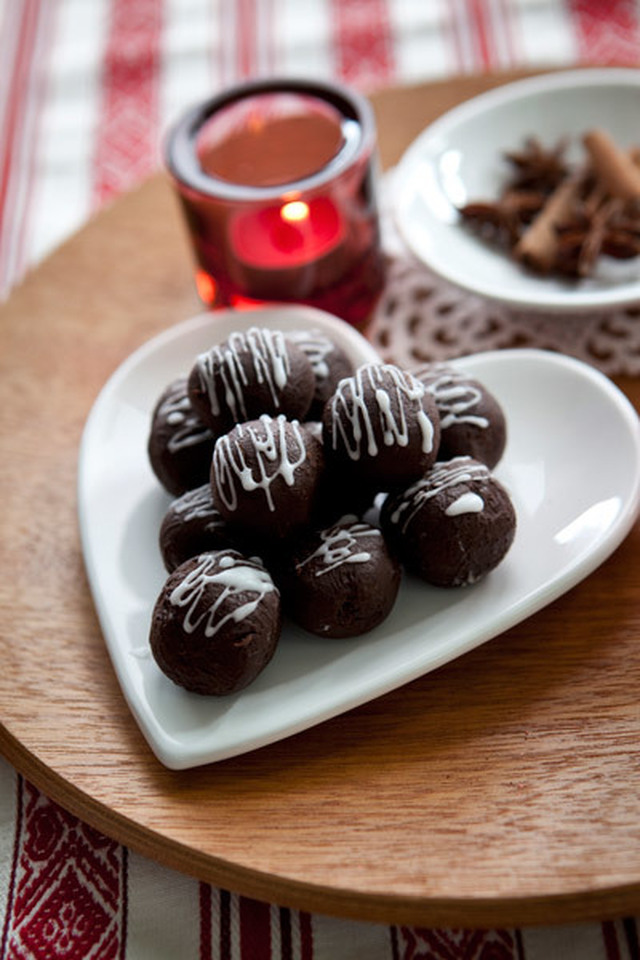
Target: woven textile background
x,y
90,86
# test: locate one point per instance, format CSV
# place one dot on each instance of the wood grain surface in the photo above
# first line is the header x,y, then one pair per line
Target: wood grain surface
x,y
503,788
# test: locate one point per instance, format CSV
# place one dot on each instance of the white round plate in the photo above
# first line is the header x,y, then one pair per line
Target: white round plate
x,y
459,158
575,502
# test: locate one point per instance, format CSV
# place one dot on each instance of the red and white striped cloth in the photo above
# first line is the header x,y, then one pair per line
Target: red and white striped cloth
x,y
68,892
89,87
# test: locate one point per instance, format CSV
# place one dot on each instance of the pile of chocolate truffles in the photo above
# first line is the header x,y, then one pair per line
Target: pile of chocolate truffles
x,y
302,488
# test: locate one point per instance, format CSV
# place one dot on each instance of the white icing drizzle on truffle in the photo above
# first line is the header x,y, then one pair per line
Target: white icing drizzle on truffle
x,y
235,576
317,348
197,505
187,428
274,457
222,375
351,416
455,397
340,545
466,503
441,477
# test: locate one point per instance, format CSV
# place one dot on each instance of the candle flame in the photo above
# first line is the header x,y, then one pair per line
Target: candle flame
x,y
294,211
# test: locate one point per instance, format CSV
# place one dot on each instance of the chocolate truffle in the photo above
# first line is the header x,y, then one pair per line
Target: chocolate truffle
x,y
472,421
453,526
329,362
216,623
265,476
337,495
340,494
192,525
341,581
381,427
179,446
253,372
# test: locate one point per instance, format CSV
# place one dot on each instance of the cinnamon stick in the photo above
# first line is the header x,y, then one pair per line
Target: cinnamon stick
x,y
538,245
614,167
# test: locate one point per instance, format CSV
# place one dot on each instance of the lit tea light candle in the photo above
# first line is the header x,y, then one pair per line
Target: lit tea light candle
x,y
276,181
288,236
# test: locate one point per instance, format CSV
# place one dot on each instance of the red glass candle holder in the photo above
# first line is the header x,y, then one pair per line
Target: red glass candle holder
x,y
277,182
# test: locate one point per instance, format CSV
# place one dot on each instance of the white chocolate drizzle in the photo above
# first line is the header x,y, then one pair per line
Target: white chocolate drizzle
x,y
441,477
466,503
187,429
224,379
354,416
455,397
197,505
277,449
234,575
317,347
339,544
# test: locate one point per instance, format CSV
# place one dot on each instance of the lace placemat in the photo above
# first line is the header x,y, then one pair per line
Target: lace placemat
x,y
421,318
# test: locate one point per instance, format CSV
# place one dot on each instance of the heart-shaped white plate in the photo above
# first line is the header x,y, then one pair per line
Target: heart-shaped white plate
x,y
572,466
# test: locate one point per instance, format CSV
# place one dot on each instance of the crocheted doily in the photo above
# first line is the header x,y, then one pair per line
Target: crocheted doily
x,y
421,317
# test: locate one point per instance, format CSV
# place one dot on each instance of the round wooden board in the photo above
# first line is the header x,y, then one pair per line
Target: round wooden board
x,y
501,789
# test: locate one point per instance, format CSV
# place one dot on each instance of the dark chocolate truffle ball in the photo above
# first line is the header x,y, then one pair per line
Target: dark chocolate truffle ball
x,y
340,494
329,362
341,581
381,427
216,623
453,526
472,422
265,476
251,373
192,525
337,495
179,446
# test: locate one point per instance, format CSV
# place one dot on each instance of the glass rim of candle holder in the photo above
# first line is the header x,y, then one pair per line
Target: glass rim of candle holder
x,y
182,161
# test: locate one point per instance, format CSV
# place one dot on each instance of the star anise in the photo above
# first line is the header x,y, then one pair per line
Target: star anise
x,y
536,167
537,173
503,220
611,229
623,234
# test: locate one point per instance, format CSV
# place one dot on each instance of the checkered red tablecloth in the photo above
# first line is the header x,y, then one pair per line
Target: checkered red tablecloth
x,y
89,87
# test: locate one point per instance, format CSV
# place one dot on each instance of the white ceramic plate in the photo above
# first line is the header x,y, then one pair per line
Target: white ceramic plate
x,y
458,158
572,465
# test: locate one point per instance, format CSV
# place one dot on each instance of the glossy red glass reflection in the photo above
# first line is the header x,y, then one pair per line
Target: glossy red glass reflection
x,y
276,181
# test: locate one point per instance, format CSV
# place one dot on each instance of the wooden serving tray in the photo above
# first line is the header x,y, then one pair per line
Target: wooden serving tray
x,y
501,789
